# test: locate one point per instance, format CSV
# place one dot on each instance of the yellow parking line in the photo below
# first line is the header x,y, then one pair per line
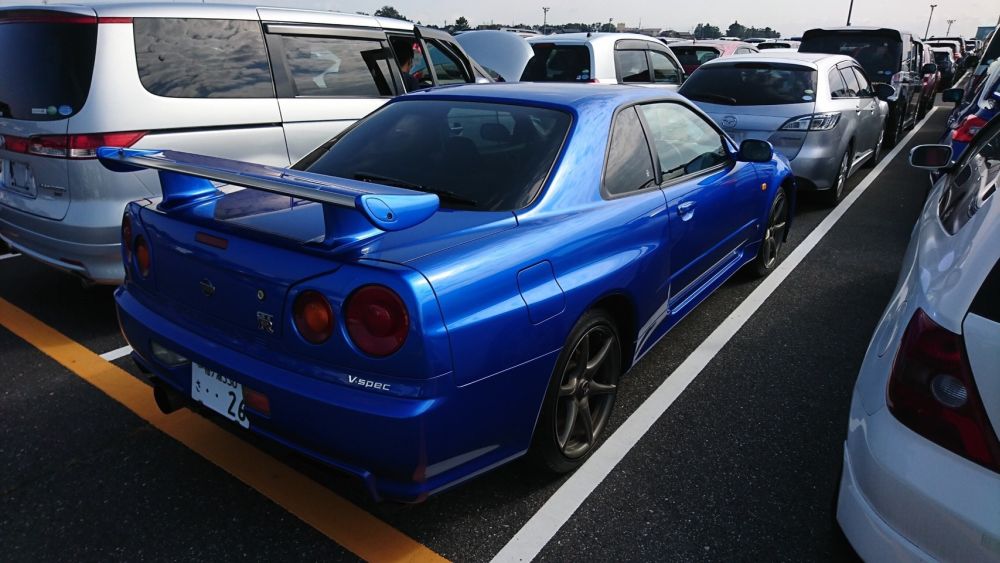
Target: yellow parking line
x,y
340,520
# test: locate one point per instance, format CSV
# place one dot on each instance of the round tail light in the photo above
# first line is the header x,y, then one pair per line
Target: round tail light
x,y
313,316
142,258
377,320
127,235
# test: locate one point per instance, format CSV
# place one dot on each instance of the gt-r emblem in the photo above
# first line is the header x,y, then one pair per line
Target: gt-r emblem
x,y
206,287
265,322
729,121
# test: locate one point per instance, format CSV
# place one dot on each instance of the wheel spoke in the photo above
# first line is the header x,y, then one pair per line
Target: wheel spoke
x,y
778,226
586,420
566,389
602,388
572,411
598,358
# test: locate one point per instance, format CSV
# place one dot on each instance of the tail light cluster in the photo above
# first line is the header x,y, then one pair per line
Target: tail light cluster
x,y
375,317
136,248
967,130
813,122
932,392
73,147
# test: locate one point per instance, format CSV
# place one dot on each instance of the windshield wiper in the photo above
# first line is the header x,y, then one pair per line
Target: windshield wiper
x,y
445,195
709,96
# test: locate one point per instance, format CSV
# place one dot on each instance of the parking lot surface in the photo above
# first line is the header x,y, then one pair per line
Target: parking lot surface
x,y
743,465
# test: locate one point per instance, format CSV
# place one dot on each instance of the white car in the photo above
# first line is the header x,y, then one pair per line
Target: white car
x,y
921,477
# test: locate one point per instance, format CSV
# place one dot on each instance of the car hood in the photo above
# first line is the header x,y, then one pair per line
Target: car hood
x,y
501,52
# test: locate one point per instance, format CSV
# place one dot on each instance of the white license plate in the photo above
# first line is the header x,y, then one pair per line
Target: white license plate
x,y
219,393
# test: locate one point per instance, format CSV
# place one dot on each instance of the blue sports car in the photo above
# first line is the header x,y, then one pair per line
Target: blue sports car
x,y
460,278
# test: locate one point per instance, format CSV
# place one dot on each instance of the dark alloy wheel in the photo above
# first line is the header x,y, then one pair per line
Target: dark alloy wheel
x,y
832,196
774,236
581,394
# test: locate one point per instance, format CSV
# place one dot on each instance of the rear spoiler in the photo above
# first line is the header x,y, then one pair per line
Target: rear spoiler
x,y
187,178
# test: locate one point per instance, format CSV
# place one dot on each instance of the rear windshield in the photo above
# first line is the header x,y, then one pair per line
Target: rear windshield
x,y
751,84
694,56
474,155
879,55
762,46
45,68
558,63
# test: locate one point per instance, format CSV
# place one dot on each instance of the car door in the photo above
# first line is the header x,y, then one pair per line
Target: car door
x,y
449,64
844,100
911,69
869,112
666,70
713,201
326,79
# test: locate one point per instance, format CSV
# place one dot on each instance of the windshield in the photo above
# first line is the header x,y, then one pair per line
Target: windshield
x,y
942,57
694,56
880,55
474,155
558,63
46,68
751,84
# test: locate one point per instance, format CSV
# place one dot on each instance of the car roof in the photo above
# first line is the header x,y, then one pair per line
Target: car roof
x,y
595,38
812,60
568,95
712,43
222,11
858,28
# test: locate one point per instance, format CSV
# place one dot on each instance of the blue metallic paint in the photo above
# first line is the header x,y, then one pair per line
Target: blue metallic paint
x,y
492,298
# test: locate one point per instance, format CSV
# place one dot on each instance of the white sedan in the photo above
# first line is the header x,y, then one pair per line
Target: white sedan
x,y
921,478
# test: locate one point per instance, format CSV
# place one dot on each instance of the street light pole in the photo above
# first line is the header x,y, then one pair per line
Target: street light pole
x,y
545,17
926,31
849,10
947,33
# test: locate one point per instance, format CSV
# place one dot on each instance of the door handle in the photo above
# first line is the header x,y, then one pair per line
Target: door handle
x,y
686,210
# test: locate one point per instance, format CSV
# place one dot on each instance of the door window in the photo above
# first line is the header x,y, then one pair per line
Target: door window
x,y
447,68
202,58
332,66
685,143
838,88
412,62
632,66
864,86
630,166
852,82
664,69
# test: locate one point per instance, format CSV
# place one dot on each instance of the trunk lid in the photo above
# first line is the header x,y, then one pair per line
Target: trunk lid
x,y
762,123
47,57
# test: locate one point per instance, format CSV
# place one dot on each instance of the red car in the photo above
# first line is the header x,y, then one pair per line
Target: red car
x,y
692,54
930,81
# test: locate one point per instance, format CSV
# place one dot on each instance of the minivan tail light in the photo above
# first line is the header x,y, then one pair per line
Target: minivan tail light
x,y
377,320
74,147
968,129
931,391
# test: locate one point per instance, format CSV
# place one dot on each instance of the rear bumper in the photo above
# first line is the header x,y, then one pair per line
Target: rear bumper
x,y
401,448
91,252
817,161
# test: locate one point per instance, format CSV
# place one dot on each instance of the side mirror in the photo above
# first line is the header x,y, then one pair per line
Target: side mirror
x,y
953,95
884,91
753,150
930,157
971,61
929,68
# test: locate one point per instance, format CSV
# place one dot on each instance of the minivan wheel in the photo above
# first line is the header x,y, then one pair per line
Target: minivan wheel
x,y
581,394
832,196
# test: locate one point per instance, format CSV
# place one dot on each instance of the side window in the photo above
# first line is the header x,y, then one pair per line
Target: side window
x,y
685,143
447,68
412,62
332,66
742,51
838,88
852,82
664,69
202,58
632,66
864,86
629,166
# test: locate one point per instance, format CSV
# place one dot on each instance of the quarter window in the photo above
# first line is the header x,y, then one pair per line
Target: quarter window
x,y
664,69
330,66
630,166
685,143
632,66
202,58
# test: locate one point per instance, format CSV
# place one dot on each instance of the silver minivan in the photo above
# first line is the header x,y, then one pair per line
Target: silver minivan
x,y
819,110
264,85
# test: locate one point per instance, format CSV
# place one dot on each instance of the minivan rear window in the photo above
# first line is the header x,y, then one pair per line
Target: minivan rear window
x,y
879,54
558,63
45,67
202,58
751,84
694,56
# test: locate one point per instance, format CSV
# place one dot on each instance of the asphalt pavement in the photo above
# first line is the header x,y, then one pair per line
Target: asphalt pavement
x,y
743,466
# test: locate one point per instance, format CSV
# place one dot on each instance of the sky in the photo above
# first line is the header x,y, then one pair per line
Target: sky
x,y
791,17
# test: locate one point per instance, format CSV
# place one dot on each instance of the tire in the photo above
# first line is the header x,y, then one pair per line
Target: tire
x,y
871,162
774,237
894,129
565,435
832,196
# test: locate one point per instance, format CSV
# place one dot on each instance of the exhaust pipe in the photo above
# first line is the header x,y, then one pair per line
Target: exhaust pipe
x,y
166,399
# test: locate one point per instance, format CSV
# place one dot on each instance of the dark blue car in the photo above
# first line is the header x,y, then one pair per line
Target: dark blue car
x,y
967,120
460,278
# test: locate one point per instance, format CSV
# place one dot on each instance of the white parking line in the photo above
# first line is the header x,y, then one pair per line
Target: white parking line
x,y
9,255
543,525
115,354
